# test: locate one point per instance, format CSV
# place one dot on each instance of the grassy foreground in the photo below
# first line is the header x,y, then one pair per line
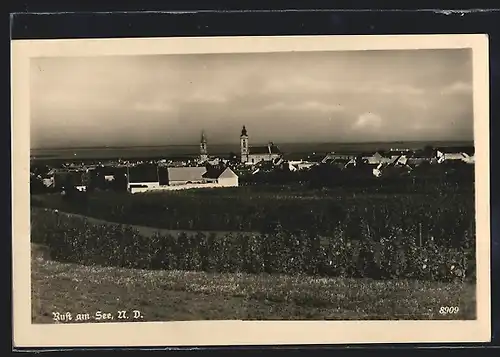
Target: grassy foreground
x,y
181,295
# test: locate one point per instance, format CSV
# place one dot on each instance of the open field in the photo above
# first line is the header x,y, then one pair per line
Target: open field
x,y
184,295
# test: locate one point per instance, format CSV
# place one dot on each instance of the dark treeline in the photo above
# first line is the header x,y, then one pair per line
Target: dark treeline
x,y
425,177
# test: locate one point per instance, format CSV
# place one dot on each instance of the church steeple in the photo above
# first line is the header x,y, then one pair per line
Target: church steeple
x,y
203,147
244,145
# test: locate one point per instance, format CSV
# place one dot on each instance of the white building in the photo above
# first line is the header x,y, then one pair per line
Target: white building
x,y
173,176
255,154
48,182
297,165
142,176
375,159
465,154
224,177
179,178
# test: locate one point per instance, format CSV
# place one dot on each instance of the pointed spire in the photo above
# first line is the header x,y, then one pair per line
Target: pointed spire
x,y
203,147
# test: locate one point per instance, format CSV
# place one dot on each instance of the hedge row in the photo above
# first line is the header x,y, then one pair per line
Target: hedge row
x,y
397,255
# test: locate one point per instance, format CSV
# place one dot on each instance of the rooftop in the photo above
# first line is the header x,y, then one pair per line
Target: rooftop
x,y
457,149
183,173
143,173
265,149
213,172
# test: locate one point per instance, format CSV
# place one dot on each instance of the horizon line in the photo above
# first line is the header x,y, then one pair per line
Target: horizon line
x,y
235,143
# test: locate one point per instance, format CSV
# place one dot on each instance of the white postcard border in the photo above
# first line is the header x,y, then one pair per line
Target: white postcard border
x,y
199,333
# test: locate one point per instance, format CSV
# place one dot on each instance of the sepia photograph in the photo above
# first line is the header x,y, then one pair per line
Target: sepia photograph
x,y
223,184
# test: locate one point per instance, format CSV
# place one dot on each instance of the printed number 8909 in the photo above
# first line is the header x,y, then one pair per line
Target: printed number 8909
x,y
446,310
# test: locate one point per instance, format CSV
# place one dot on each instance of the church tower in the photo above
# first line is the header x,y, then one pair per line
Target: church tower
x,y
203,148
244,145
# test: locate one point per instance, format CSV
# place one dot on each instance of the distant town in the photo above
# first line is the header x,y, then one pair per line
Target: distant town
x,y
207,171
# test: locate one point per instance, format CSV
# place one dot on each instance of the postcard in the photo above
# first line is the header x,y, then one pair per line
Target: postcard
x,y
250,190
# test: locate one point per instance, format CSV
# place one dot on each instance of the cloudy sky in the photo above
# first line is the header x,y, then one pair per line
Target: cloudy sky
x,y
281,97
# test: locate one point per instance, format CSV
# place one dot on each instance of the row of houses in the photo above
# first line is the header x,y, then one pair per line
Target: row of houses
x,y
379,160
61,178
389,157
465,154
141,178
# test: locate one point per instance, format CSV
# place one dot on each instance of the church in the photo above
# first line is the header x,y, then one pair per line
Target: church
x,y
203,148
254,154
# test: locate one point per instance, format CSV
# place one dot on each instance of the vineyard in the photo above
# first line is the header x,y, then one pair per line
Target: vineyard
x,y
418,229
444,218
399,254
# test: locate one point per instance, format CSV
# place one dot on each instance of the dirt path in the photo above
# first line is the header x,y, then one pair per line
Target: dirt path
x,y
147,231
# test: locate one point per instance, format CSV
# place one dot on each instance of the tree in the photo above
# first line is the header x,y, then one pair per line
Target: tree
x,y
69,187
36,185
96,181
69,184
233,158
428,150
120,182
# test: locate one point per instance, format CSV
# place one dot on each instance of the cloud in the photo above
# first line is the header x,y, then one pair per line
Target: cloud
x,y
58,99
368,121
306,106
168,103
296,84
385,88
153,106
457,88
206,97
401,89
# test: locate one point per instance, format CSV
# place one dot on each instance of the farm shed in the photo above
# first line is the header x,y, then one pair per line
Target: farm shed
x,y
143,176
465,154
181,175
378,158
221,176
340,156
